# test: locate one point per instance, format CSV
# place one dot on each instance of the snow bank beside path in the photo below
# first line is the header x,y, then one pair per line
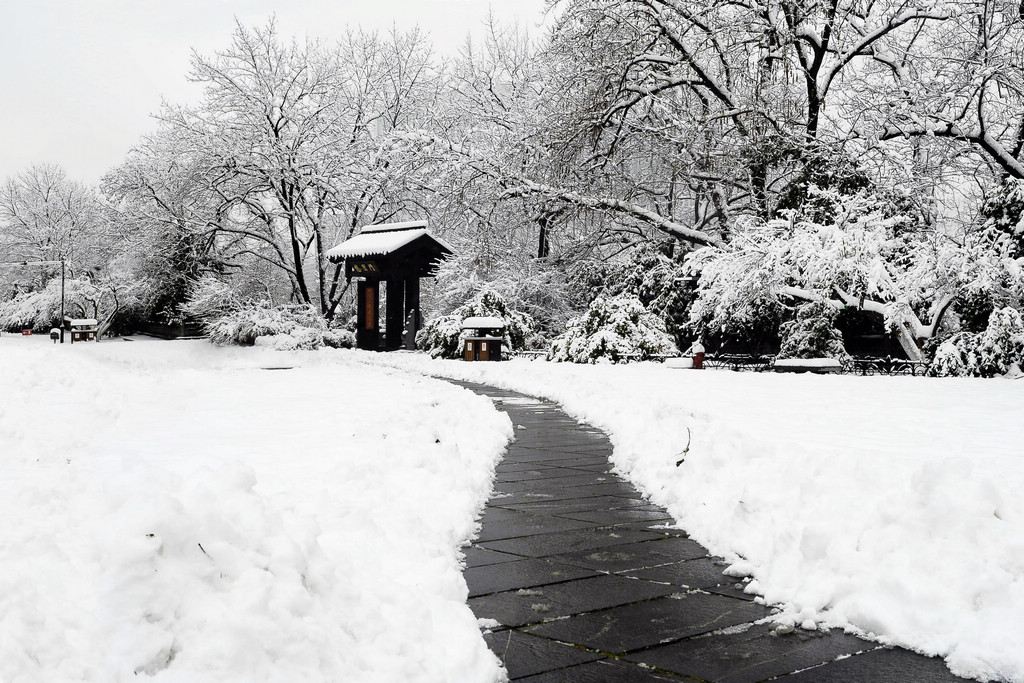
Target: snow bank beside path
x,y
887,504
171,510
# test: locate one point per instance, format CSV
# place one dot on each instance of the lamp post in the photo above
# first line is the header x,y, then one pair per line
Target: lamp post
x,y
62,263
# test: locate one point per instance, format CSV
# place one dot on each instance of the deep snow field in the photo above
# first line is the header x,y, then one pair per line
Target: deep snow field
x,y
890,506
171,510
182,511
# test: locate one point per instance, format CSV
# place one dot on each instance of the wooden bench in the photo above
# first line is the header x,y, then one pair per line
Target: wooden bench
x,y
820,366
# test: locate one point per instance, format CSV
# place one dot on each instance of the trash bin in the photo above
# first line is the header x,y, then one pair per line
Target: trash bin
x,y
484,339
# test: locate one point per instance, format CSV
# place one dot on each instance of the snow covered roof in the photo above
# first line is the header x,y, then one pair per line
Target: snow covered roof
x,y
84,322
383,239
388,227
477,322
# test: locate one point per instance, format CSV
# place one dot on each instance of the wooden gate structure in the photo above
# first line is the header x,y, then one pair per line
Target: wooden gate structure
x,y
397,255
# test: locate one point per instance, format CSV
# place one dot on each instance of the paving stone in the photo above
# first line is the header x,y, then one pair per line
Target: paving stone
x,y
594,465
543,603
541,473
526,454
562,506
567,450
493,513
695,573
892,665
662,527
619,516
527,525
631,627
635,556
579,539
751,655
732,590
567,480
584,461
479,557
602,671
523,654
525,573
508,466
508,498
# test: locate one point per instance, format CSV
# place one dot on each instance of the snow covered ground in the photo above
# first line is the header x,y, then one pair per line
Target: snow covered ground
x,y
172,509
888,505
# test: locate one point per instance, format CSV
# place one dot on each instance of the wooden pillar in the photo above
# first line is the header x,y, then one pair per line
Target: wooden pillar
x,y
412,300
413,320
367,317
394,296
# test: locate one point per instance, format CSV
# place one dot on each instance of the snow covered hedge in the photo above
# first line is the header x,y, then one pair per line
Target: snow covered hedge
x,y
285,327
612,330
996,351
443,337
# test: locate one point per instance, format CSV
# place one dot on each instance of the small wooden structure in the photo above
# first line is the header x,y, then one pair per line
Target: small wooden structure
x,y
397,255
82,329
484,342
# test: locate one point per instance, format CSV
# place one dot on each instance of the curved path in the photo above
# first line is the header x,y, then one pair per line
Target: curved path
x,y
588,582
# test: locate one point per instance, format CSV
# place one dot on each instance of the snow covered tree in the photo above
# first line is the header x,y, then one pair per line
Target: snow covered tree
x,y
612,330
863,260
45,216
104,298
293,146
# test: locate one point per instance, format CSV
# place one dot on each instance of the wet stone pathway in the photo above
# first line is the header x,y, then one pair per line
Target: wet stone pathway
x,y
589,583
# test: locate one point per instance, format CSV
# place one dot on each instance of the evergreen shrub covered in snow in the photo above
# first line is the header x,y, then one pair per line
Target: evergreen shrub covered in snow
x,y
987,354
612,330
443,337
812,334
286,327
652,273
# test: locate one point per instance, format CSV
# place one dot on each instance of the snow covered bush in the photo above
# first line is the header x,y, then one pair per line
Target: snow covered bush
x,y
610,331
210,297
653,273
987,354
287,327
443,337
812,334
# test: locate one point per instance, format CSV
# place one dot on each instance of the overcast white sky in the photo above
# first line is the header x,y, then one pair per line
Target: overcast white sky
x,y
80,78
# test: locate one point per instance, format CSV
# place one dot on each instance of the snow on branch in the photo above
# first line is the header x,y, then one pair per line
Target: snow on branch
x,y
976,135
678,230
